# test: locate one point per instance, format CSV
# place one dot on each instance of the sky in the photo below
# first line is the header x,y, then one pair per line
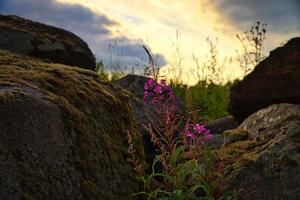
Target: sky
x,y
173,30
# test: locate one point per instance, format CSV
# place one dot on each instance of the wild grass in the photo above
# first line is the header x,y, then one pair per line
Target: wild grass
x,y
211,93
211,99
106,75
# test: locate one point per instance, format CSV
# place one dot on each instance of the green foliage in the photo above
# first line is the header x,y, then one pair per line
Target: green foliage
x,y
211,99
101,72
186,181
115,75
106,75
189,180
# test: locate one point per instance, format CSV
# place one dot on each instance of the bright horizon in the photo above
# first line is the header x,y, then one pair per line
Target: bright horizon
x,y
155,23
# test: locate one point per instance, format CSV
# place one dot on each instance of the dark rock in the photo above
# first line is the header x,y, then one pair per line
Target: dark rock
x,y
263,154
135,84
62,133
42,41
144,114
219,125
275,80
217,141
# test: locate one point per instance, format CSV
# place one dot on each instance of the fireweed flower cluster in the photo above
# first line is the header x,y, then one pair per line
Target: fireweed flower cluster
x,y
162,101
193,131
162,97
176,173
155,93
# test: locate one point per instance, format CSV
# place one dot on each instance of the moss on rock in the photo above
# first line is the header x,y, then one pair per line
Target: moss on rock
x,y
261,159
65,132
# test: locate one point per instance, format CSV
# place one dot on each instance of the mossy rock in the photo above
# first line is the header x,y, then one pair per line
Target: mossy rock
x,y
63,133
262,158
235,135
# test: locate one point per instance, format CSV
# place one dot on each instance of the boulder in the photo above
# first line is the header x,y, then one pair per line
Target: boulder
x,y
218,126
262,156
274,80
62,133
42,41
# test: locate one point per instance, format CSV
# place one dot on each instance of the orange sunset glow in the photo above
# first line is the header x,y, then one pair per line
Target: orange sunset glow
x,y
130,24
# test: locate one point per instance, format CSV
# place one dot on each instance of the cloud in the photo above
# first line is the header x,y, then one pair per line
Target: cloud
x,y
124,53
281,16
91,27
73,17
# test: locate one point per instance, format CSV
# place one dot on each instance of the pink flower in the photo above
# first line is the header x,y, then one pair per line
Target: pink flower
x,y
146,94
192,131
161,94
151,82
190,135
163,82
146,87
158,89
199,128
207,137
168,88
154,101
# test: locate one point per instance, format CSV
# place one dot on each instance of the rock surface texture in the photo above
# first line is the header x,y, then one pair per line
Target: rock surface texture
x,y
219,125
42,41
62,133
275,80
263,154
